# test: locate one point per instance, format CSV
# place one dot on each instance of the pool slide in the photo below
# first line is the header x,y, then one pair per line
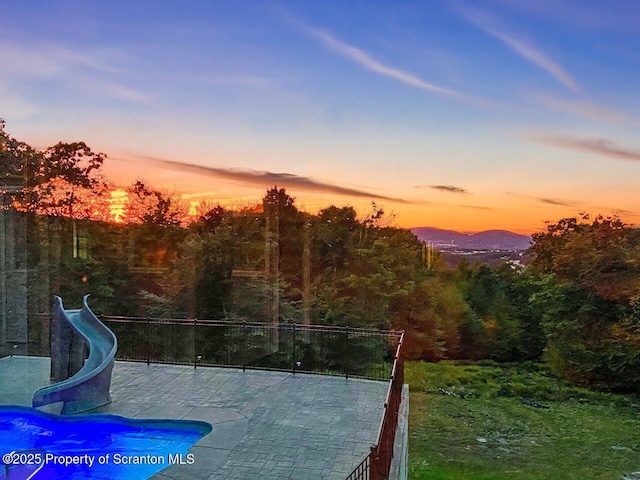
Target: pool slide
x,y
89,387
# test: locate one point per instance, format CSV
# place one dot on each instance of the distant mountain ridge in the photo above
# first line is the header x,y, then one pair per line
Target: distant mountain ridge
x,y
487,240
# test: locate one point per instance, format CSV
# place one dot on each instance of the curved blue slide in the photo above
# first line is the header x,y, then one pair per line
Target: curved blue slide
x,y
89,387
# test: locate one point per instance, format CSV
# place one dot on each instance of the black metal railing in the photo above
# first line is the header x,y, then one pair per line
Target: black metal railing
x,y
362,353
362,471
377,464
328,350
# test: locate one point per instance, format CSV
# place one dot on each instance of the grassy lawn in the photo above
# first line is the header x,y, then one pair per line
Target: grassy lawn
x,y
486,421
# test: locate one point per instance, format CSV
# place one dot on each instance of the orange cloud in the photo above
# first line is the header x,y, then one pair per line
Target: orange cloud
x,y
266,179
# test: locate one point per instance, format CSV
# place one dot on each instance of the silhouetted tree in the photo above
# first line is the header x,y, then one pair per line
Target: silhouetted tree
x,y
145,205
64,180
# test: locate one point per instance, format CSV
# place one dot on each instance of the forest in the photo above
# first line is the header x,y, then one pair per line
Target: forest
x,y
575,305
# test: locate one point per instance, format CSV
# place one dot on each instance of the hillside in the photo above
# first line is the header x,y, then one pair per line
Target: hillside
x,y
486,240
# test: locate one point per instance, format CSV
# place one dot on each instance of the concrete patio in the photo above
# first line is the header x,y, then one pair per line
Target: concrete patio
x,y
266,425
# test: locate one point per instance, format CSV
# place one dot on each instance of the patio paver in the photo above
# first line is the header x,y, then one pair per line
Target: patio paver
x,y
267,425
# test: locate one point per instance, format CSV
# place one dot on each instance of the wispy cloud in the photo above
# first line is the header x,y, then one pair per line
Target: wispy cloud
x,y
556,201
264,179
367,61
45,60
537,58
573,204
121,92
589,110
623,212
83,70
444,188
474,207
617,14
598,146
527,51
548,200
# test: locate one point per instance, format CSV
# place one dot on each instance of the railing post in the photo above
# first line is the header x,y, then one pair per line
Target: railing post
x,y
148,338
346,353
227,334
373,464
195,357
293,354
244,350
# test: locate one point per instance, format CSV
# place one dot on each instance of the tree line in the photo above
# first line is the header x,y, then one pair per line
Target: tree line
x,y
575,305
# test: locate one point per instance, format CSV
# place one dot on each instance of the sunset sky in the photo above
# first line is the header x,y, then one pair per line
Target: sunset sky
x,y
453,114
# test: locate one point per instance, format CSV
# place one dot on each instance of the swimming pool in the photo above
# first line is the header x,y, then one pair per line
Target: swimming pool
x,y
37,445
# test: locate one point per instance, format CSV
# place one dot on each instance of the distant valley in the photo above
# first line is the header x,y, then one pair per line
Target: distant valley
x,y
487,240
490,246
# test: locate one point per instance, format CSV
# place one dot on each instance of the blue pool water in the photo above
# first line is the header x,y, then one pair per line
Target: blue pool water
x,y
95,446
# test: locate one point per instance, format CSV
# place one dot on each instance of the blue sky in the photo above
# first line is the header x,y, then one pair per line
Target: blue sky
x,y
496,114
